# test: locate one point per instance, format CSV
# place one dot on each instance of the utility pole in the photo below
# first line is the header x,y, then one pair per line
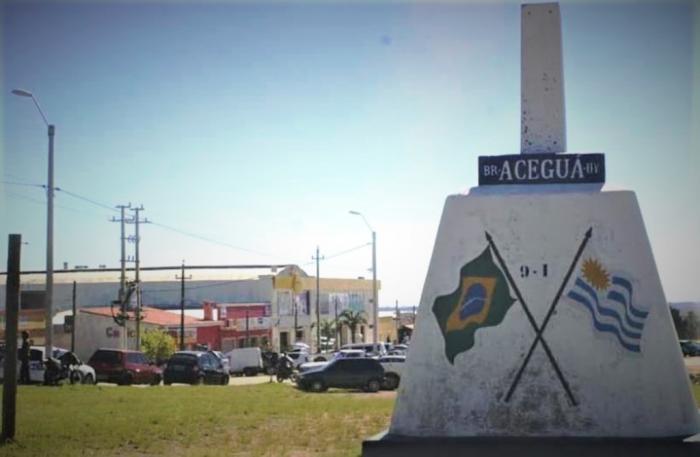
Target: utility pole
x,y
296,317
72,330
12,288
49,249
375,298
398,321
337,328
182,279
247,328
48,297
122,279
318,259
136,220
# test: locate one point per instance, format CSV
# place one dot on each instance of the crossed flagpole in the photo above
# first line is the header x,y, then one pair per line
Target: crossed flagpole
x,y
539,330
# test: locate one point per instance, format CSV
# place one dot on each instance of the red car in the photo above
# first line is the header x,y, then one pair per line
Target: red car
x,y
124,367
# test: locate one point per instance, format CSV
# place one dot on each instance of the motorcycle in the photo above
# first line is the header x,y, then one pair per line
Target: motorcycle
x,y
285,370
55,372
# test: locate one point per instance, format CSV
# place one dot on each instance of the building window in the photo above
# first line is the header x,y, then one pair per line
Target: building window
x,y
284,341
241,342
253,342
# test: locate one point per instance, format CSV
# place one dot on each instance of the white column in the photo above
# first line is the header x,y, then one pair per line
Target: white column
x,y
542,114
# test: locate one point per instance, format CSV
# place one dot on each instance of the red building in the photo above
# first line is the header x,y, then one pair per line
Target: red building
x,y
241,325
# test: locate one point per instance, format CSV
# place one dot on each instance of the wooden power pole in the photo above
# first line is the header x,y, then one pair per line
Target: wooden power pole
x,y
182,279
9,391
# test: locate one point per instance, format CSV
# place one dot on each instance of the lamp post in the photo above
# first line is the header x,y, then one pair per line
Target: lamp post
x,y
375,301
48,299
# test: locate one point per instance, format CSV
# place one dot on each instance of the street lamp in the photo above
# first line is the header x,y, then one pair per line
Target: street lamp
x,y
375,301
48,299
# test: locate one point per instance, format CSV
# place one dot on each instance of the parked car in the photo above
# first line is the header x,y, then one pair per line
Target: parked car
x,y
342,354
393,370
690,348
246,361
124,367
195,367
350,373
79,372
398,349
299,357
372,349
223,360
300,347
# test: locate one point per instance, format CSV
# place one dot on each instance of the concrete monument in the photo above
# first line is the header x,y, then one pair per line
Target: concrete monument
x,y
543,326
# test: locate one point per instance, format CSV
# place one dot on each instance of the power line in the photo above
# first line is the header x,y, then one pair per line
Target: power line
x,y
204,286
43,203
15,183
347,251
161,225
80,197
338,254
167,227
210,240
24,197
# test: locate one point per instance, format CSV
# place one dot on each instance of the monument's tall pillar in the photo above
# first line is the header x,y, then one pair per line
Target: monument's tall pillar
x,y
542,114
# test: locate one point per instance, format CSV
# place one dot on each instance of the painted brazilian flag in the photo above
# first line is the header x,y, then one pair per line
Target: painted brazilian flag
x,y
482,299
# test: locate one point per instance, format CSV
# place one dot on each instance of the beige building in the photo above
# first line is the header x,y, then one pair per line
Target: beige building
x,y
295,301
289,292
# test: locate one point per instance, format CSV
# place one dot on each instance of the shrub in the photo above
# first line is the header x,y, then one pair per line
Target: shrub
x,y
158,345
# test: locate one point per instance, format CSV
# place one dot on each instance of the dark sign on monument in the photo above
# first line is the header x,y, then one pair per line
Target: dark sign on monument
x,y
542,169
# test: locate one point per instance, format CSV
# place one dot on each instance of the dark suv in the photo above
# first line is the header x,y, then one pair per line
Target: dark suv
x,y
353,373
195,367
124,367
690,348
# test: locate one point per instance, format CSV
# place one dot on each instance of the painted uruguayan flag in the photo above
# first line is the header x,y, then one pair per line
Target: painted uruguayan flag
x,y
609,300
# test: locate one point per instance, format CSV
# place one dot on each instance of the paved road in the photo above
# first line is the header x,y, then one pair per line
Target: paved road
x,y
235,381
245,380
692,364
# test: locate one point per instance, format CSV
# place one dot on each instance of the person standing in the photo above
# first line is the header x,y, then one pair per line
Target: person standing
x,y
24,359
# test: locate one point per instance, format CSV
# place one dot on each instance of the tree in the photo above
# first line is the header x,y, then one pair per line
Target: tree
x,y
352,319
692,325
158,345
679,323
328,328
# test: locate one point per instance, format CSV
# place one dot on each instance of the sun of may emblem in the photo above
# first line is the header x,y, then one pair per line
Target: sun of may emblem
x,y
595,274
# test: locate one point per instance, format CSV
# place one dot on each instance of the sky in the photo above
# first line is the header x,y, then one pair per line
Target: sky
x,y
258,126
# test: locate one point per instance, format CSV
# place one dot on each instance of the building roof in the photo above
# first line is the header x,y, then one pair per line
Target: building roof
x,y
101,277
151,316
242,305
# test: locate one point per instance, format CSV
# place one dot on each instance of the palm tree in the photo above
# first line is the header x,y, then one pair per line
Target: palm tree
x,y
352,319
328,328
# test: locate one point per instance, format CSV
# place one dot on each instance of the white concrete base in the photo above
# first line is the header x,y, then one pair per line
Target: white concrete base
x,y
623,386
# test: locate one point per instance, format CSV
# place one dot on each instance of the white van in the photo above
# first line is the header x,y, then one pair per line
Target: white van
x,y
247,361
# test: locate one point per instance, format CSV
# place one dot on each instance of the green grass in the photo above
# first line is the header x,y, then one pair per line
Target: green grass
x,y
265,420
260,420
